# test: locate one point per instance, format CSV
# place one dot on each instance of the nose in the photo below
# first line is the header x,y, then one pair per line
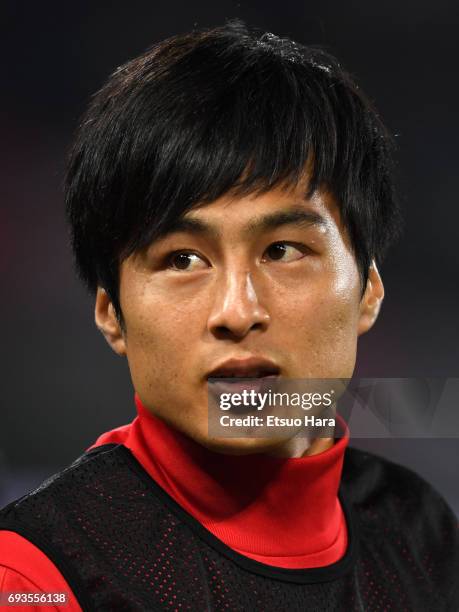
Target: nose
x,y
236,309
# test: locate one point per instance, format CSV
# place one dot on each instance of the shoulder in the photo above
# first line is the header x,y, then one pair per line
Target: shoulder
x,y
403,519
370,479
68,489
40,531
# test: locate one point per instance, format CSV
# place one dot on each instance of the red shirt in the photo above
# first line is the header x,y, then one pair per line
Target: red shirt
x,y
280,511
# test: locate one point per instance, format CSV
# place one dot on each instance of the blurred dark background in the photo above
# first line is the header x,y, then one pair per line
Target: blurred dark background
x,y
61,384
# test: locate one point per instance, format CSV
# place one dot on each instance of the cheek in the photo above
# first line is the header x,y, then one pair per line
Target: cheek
x,y
160,334
318,327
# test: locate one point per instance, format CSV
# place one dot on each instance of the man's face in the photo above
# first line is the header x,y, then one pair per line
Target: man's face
x,y
270,276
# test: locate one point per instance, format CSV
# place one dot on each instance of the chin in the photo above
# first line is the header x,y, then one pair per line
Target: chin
x,y
239,446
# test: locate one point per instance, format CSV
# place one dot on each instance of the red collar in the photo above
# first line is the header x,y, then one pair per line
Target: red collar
x,y
280,511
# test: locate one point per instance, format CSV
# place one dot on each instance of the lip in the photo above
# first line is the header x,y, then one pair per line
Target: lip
x,y
217,387
250,367
238,385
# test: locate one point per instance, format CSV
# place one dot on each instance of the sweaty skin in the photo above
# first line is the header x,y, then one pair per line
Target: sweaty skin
x,y
241,285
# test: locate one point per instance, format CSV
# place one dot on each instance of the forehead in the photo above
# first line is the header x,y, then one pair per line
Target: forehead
x,y
259,212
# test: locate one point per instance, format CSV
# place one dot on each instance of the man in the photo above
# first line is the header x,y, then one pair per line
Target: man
x,y
230,198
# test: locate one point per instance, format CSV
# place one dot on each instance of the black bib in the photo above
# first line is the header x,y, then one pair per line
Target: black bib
x,y
123,543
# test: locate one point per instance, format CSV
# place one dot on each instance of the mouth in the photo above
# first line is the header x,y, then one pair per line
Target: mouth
x,y
245,368
237,376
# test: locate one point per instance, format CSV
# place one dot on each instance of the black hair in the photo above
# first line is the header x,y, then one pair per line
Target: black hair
x,y
204,113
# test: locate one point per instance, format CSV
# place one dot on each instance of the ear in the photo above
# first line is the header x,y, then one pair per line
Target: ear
x,y
107,322
371,301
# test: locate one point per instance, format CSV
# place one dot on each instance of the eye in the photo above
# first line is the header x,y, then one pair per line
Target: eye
x,y
185,260
285,252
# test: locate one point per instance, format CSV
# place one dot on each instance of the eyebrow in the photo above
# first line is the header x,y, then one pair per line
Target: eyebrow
x,y
295,215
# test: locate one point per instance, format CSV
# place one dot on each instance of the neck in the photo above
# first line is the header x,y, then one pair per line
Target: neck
x,y
301,447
